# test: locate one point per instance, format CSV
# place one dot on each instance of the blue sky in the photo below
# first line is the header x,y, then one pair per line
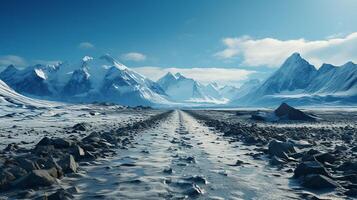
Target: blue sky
x,y
250,37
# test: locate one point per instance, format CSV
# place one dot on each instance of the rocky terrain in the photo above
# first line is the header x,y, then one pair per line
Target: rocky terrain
x,y
108,152
320,155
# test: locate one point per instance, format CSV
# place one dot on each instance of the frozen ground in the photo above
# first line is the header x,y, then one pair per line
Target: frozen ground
x,y
201,154
25,126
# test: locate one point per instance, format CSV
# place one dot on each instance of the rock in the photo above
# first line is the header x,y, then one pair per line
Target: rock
x,y
73,190
351,192
17,171
348,166
310,167
193,191
5,179
68,164
35,179
277,161
11,147
77,152
284,111
264,116
318,182
280,149
168,171
81,126
44,150
56,142
61,194
62,143
325,157
197,179
27,164
44,142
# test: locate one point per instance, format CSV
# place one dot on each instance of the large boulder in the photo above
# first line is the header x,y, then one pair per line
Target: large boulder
x,y
35,179
280,149
318,182
284,111
310,167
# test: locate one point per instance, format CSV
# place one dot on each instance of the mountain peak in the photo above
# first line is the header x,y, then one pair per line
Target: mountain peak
x,y
350,63
87,58
169,74
295,57
325,68
179,75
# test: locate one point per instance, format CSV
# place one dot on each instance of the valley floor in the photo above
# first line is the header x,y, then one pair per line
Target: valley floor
x,y
158,154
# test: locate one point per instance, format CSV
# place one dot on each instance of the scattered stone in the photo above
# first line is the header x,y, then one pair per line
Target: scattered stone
x,y
61,194
318,182
310,167
280,149
35,179
68,164
81,126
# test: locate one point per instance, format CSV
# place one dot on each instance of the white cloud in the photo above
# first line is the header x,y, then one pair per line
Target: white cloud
x,y
222,76
272,52
18,61
86,45
134,56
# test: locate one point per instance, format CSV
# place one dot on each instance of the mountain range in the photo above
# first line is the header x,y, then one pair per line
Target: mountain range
x,y
300,83
104,79
100,79
182,89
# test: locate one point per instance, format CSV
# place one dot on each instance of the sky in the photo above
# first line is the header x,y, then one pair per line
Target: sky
x,y
226,41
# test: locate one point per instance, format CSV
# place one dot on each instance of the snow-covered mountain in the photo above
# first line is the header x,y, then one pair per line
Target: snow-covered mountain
x,y
182,89
100,79
10,98
339,80
300,83
295,73
229,92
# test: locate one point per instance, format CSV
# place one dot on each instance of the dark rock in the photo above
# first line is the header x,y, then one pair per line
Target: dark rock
x,y
11,147
44,142
81,126
325,157
284,111
35,179
17,171
277,161
318,181
5,179
27,164
280,149
62,143
348,166
61,194
68,164
310,167
193,191
351,192
168,171
197,179
77,152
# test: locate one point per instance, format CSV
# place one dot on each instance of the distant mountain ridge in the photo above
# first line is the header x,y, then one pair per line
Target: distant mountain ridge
x,y
300,83
104,79
182,89
93,79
